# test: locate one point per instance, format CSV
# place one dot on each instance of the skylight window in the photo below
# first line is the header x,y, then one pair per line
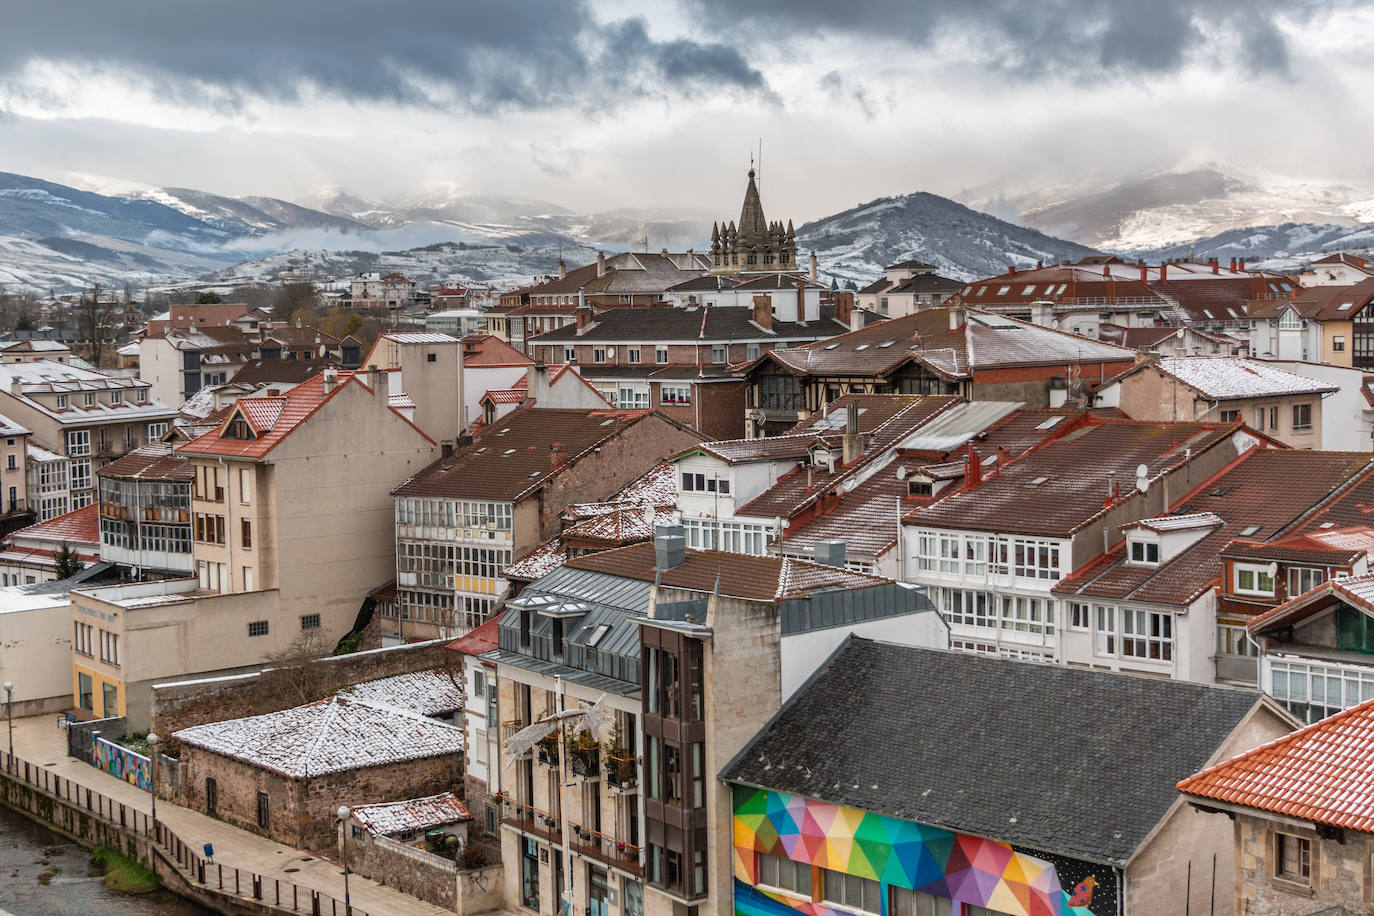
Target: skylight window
x,y
861,347
598,634
1003,290
1051,423
510,451
1249,530
884,345
1039,481
830,346
1030,288
1208,313
982,290
1062,287
1345,306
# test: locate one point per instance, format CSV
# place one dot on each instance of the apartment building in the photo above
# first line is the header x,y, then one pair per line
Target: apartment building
x,y
692,652
49,481
872,790
278,552
940,350
460,521
992,554
905,288
1222,389
84,416
145,511
423,374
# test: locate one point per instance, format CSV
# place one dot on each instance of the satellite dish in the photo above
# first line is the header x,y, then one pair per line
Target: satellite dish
x,y
1272,569
1142,470
649,514
901,473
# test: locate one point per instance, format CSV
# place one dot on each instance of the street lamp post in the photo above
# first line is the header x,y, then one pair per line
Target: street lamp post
x,y
152,786
9,714
343,826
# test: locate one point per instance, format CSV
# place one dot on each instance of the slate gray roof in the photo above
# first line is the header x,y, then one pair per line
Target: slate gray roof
x,y
1064,760
694,325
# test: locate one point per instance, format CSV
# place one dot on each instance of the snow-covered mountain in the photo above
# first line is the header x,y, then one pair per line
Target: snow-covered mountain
x,y
962,243
1160,209
247,215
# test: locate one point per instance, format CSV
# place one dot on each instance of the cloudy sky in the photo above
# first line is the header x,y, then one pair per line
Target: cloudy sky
x,y
598,105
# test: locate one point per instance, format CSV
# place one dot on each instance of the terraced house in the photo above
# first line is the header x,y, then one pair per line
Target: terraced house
x,y
461,520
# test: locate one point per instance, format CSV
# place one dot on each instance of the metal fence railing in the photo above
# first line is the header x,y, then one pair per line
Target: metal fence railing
x,y
194,867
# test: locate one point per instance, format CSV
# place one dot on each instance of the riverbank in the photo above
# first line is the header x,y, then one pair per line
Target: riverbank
x,y
75,886
89,803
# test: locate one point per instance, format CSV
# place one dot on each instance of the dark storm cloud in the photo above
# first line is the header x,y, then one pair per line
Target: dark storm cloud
x,y
1080,38
488,56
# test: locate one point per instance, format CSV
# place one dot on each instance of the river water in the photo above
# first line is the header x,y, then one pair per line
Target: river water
x,y
28,851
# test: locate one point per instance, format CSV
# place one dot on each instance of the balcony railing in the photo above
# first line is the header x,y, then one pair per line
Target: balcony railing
x,y
585,762
622,773
582,840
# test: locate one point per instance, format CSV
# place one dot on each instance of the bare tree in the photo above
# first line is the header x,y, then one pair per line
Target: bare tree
x,y
292,673
97,317
294,300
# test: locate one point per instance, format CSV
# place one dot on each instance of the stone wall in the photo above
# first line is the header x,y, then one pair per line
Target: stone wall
x,y
421,874
186,703
1340,872
302,812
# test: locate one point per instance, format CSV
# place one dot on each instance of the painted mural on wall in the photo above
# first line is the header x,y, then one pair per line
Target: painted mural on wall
x,y
899,853
123,763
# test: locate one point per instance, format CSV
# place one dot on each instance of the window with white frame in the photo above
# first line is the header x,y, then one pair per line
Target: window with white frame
x,y
156,431
569,354
61,402
785,874
1233,639
1312,692
1080,616
660,355
968,608
1030,559
1147,634
1303,579
851,892
632,398
598,354
975,555
1254,580
632,354
81,474
1104,629
78,443
1022,614
718,353
675,394
1144,552
949,553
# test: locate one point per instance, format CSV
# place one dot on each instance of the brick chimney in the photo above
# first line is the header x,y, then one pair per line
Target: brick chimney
x,y
1144,272
1216,265
1106,271
763,311
558,456
844,308
1011,270
1240,264
853,442
1233,265
801,300
973,470
1163,271
600,264
584,317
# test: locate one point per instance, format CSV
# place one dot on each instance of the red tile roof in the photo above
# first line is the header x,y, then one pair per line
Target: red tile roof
x,y
1323,773
484,351
275,418
478,640
80,526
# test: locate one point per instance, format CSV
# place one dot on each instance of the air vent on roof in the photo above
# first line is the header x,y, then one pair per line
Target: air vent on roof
x,y
1249,530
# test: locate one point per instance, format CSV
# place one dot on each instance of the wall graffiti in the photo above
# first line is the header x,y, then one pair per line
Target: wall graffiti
x,y
897,853
123,763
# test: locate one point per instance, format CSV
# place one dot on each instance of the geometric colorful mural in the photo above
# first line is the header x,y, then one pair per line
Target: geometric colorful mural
x,y
963,868
123,763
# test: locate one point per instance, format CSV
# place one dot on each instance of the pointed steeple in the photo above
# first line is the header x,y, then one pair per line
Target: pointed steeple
x,y
751,221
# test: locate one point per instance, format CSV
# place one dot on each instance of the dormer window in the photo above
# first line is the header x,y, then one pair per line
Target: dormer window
x,y
238,428
90,400
1254,580
822,458
918,486
1143,552
61,402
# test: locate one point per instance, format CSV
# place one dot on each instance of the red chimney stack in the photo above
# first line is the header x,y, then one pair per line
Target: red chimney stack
x,y
973,476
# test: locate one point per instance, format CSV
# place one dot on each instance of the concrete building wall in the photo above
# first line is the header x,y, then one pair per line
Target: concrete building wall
x,y
1347,419
1160,870
159,364
35,656
1152,395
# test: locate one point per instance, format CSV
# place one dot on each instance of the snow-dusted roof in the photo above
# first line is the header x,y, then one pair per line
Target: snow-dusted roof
x,y
328,736
39,453
1179,522
1226,377
413,814
541,561
429,693
44,376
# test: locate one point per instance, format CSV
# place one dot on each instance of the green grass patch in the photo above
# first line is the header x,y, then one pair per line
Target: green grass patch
x,y
122,873
46,877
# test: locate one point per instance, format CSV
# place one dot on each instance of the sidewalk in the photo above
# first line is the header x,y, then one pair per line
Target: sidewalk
x,y
39,740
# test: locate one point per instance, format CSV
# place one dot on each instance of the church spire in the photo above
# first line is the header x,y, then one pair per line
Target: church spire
x,y
751,221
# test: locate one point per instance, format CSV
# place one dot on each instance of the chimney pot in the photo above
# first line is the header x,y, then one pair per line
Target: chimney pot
x,y
1164,272
670,550
1011,270
956,318
446,449
973,473
600,264
558,455
763,311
